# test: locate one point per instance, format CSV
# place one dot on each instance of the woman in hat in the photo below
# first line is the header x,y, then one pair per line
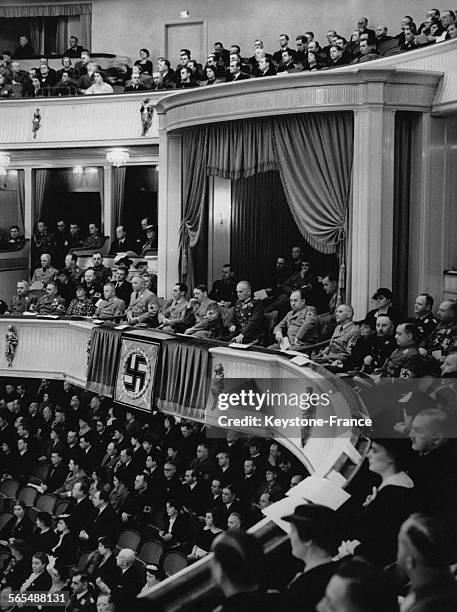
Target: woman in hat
x,y
388,505
383,298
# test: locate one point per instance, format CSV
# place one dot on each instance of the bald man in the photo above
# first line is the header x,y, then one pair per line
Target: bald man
x,y
142,303
127,585
443,339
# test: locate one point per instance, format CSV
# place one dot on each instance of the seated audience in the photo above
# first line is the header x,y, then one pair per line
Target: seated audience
x,y
140,310
51,303
202,314
25,49
94,240
22,301
74,50
46,273
110,308
81,305
174,310
343,338
144,62
99,86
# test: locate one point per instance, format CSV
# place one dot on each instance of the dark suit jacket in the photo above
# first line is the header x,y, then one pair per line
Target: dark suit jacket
x,y
127,587
131,88
124,291
81,514
66,551
128,244
56,477
105,524
241,77
307,589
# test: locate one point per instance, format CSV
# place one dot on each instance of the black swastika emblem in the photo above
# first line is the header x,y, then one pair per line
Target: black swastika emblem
x,y
136,374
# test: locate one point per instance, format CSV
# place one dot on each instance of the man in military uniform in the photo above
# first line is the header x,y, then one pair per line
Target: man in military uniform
x,y
205,314
102,273
405,359
22,300
46,273
111,308
424,319
286,331
384,344
50,303
173,311
141,305
343,338
247,321
82,600
16,241
443,339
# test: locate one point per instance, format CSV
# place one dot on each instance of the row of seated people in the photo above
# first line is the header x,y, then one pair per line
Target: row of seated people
x,y
298,313
68,239
156,464
223,65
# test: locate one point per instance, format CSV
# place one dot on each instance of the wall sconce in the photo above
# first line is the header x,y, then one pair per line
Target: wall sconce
x,y
4,163
117,157
184,14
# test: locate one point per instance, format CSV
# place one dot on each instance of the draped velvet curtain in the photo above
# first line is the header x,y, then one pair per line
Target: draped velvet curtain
x,y
312,152
194,194
184,382
105,346
41,179
261,223
21,198
118,195
404,123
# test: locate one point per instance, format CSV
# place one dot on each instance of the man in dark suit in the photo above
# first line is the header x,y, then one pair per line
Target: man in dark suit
x,y
196,497
105,523
74,49
284,46
235,72
128,585
135,84
230,504
122,243
123,287
57,473
222,55
90,453
82,511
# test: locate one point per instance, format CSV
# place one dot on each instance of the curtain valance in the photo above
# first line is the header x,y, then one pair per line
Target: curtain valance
x,y
313,153
45,10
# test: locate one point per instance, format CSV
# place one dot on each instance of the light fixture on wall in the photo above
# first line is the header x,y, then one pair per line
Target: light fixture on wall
x,y
184,14
4,163
78,170
117,157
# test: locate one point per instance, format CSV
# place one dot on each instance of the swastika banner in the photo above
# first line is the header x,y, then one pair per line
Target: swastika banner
x,y
136,373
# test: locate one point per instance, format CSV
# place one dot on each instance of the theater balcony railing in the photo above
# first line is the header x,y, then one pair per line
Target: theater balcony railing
x,y
58,348
410,81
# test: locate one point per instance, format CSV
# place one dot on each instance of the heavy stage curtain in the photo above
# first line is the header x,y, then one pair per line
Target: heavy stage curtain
x,y
261,222
194,193
312,152
184,381
105,346
402,190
